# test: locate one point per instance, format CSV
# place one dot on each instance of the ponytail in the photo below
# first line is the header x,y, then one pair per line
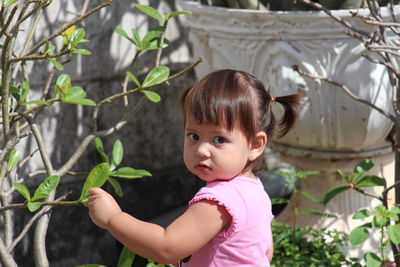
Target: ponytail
x,y
291,104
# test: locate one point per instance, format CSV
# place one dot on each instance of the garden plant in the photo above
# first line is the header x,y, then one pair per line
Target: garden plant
x,y
381,47
23,107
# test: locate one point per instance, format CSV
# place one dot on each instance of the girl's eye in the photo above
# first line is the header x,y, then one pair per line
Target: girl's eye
x,y
219,140
193,137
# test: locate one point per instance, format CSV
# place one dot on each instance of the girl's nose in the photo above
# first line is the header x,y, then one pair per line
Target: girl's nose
x,y
203,150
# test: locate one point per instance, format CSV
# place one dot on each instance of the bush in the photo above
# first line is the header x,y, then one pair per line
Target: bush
x,y
305,246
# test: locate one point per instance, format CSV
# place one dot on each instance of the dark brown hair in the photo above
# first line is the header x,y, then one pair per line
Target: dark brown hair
x,y
229,97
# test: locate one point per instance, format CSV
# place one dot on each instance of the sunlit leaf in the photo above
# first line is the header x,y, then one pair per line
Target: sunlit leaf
x,y
151,12
133,78
33,206
361,214
136,38
126,258
10,2
117,187
96,178
129,173
361,169
100,154
358,235
317,213
13,160
46,187
372,260
181,12
56,64
310,197
153,33
394,233
25,89
156,76
23,190
81,51
370,180
151,95
117,154
76,95
333,192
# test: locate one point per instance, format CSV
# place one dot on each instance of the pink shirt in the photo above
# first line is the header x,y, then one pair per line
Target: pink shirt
x,y
248,239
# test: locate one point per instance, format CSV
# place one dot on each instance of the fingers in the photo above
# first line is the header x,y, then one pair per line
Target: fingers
x,y
95,190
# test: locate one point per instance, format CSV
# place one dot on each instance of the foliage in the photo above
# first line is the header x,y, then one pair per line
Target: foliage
x,y
381,218
305,246
21,107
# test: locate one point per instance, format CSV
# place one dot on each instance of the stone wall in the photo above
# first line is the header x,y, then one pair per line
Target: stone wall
x,y
152,140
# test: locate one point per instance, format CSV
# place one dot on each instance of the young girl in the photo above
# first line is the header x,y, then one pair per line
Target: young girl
x,y
228,121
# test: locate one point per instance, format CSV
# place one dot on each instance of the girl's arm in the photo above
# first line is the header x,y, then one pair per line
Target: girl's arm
x,y
187,234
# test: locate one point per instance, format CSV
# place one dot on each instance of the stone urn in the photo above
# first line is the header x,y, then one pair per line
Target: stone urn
x,y
334,131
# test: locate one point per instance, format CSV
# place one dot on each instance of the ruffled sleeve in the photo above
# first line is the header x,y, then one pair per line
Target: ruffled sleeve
x,y
220,194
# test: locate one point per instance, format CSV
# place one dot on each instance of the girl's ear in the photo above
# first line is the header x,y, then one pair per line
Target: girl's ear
x,y
257,146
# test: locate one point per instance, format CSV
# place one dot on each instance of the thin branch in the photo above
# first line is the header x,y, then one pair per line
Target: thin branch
x,y
347,91
33,220
68,25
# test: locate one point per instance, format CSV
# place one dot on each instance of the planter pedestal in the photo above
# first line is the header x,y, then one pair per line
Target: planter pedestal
x,y
333,132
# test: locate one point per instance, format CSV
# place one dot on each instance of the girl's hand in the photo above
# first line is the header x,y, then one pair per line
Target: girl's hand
x,y
102,207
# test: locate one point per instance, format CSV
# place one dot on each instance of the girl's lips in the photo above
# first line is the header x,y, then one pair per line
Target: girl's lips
x,y
202,167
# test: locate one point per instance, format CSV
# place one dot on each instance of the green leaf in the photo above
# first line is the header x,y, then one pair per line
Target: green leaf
x,y
33,206
134,79
361,214
370,180
117,154
25,89
279,201
100,154
129,173
310,197
136,39
46,187
395,210
335,191
81,51
10,3
317,213
96,178
12,160
23,190
344,176
126,258
77,37
379,221
122,33
76,95
360,169
117,187
358,235
56,64
63,84
305,174
156,76
372,260
151,95
154,33
155,44
394,233
151,12
182,12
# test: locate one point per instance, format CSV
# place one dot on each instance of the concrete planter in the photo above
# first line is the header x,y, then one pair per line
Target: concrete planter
x,y
267,44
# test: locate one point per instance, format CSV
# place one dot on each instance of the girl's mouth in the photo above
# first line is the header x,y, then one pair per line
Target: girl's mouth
x,y
202,167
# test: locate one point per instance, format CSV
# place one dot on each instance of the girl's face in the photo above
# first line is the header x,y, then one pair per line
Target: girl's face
x,y
213,153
